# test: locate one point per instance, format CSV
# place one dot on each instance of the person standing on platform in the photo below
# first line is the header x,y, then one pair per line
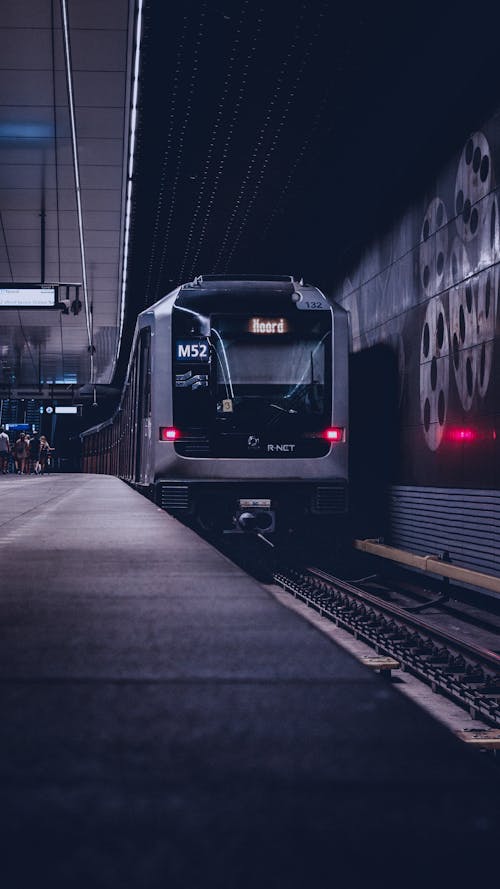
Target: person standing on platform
x,y
27,461
34,448
21,453
45,451
4,451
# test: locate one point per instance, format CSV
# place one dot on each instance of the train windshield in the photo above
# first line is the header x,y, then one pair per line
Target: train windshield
x,y
287,375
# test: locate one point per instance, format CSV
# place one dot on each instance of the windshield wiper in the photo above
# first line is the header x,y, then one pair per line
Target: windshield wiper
x,y
285,410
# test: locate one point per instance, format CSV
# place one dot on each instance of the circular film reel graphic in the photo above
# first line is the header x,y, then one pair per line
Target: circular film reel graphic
x,y
350,302
401,356
434,373
459,266
487,305
473,183
433,247
347,288
489,237
463,326
355,323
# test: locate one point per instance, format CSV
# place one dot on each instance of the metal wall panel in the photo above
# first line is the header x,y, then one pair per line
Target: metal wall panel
x,y
461,522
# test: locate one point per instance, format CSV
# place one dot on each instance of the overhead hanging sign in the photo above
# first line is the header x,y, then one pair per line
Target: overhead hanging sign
x,y
28,296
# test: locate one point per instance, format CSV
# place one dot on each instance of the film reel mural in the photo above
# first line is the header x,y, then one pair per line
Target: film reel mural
x,y
350,302
487,306
473,312
488,248
488,295
473,184
449,260
434,373
433,247
398,345
463,324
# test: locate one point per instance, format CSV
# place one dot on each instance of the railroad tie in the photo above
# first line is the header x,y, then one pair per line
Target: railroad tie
x,y
487,738
381,664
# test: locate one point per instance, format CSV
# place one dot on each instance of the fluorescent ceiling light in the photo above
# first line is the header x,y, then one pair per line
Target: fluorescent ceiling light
x,y
130,168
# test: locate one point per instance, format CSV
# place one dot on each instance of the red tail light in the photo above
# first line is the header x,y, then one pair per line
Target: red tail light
x,y
462,434
169,433
334,433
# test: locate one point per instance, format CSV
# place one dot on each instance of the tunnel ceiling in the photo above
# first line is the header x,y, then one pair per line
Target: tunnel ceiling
x,y
280,137
47,350
272,138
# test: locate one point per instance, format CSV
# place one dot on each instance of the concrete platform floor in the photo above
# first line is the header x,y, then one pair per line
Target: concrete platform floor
x,y
167,723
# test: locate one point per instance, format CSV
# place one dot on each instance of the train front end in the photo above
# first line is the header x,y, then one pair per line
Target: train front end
x,y
259,406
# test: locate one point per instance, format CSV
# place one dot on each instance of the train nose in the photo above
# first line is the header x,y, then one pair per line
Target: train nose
x,y
247,521
265,521
255,521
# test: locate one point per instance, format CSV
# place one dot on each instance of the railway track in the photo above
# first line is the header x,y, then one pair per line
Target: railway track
x,y
465,672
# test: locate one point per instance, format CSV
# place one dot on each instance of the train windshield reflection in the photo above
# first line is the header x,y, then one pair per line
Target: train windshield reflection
x,y
288,376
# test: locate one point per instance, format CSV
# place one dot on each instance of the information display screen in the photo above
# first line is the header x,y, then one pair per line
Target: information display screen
x,y
27,296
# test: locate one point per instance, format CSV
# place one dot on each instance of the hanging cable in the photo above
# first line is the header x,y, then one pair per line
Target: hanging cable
x,y
56,168
187,115
76,171
215,131
56,153
296,164
262,132
277,133
166,158
129,182
228,140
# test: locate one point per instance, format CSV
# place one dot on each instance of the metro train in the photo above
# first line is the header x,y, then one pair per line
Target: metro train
x,y
234,411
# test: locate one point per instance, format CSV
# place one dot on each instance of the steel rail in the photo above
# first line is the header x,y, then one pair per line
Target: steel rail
x,y
485,654
464,671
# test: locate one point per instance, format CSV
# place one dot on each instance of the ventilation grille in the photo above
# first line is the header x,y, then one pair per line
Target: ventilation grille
x,y
328,500
195,446
465,523
174,497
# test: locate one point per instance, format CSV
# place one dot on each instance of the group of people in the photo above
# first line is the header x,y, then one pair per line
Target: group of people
x,y
29,454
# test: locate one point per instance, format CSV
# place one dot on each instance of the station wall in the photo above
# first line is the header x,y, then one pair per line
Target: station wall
x,y
428,291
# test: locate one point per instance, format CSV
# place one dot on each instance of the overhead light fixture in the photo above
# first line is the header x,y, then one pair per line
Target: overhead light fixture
x,y
14,131
130,168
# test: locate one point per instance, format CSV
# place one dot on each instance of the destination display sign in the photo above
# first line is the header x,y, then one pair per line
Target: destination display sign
x,y
268,325
27,296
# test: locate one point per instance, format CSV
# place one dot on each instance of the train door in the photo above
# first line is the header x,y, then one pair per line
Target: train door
x,y
143,452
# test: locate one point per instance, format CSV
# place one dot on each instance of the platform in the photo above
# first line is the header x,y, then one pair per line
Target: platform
x,y
167,723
